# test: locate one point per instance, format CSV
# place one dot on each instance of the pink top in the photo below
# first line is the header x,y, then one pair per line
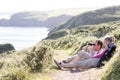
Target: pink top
x,y
99,55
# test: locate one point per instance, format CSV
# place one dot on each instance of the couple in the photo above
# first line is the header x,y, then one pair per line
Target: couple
x,y
87,57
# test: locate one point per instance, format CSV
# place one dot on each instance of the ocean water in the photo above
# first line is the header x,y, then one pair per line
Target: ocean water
x,y
22,37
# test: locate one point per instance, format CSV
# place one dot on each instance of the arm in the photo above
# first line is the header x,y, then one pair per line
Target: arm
x,y
88,48
85,48
99,55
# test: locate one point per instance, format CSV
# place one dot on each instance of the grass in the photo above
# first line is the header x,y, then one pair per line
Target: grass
x,y
32,63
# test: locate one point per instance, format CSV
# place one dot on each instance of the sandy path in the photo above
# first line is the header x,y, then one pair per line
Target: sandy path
x,y
90,74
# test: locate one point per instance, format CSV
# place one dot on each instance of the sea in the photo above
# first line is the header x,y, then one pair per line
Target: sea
x,y
22,37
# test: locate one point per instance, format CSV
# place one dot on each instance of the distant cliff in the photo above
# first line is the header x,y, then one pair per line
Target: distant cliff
x,y
36,19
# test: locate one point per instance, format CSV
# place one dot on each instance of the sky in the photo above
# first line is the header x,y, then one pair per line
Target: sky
x,y
12,6
45,5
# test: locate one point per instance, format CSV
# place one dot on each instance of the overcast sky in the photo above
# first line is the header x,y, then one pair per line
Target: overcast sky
x,y
45,5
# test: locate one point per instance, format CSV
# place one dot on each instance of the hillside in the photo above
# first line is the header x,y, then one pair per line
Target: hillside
x,y
36,63
92,17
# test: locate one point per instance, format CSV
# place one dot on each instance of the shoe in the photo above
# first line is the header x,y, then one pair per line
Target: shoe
x,y
57,63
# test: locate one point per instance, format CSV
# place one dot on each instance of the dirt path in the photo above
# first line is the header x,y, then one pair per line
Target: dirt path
x,y
90,74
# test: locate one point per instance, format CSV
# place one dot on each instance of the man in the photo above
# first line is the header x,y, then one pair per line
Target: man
x,y
79,59
86,52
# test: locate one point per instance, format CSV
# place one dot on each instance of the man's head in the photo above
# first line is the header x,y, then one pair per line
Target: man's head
x,y
98,45
107,41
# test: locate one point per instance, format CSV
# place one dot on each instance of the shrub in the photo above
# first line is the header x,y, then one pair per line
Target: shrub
x,y
39,59
6,47
117,34
57,35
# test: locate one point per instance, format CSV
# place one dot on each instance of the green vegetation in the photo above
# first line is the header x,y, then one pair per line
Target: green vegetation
x,y
21,65
39,59
17,75
6,47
